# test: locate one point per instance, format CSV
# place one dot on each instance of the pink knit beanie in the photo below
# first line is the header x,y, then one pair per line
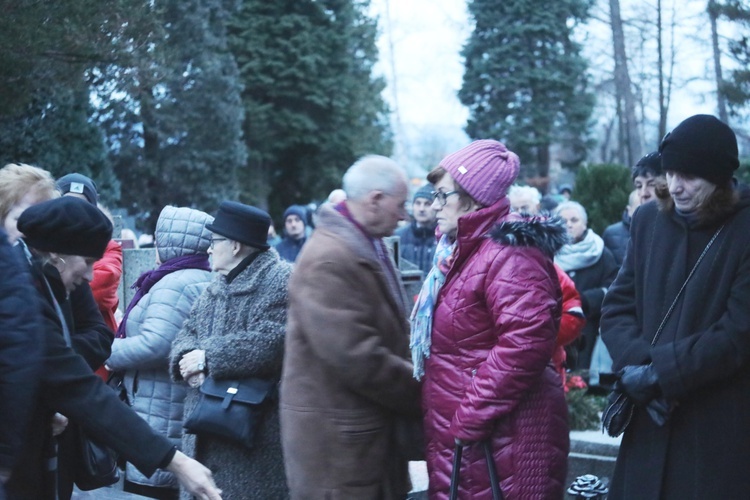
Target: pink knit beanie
x,y
485,169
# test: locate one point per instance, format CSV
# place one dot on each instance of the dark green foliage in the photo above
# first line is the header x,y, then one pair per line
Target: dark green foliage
x,y
603,190
743,173
311,102
54,132
525,82
584,410
736,88
174,118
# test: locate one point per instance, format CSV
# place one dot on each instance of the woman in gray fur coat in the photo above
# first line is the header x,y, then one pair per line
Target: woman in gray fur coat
x,y
236,330
152,320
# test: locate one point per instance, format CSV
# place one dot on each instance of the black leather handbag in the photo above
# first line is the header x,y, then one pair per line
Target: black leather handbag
x,y
230,409
96,465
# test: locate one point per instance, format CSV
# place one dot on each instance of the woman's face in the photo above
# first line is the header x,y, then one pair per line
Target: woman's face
x,y
74,270
447,215
11,220
574,222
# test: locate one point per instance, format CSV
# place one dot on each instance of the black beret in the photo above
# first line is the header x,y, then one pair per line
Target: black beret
x,y
243,223
66,225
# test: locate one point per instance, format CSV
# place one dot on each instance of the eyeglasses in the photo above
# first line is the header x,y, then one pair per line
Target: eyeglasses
x,y
442,197
214,240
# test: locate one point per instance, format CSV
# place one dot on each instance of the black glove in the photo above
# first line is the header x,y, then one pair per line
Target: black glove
x,y
659,409
640,383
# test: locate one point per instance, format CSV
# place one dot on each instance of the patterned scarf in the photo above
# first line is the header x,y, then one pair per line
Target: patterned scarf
x,y
148,279
421,315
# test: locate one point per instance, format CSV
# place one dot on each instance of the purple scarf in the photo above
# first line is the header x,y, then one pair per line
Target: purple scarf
x,y
150,278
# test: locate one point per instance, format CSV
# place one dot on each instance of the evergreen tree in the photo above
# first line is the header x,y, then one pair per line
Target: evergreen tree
x,y
174,118
525,82
311,103
736,88
603,190
54,132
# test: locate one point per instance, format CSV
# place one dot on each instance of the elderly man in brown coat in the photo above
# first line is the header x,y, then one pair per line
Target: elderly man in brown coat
x,y
347,376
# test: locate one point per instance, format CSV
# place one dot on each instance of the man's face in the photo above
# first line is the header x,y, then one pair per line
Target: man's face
x,y
389,210
574,223
645,185
294,226
422,212
688,191
524,203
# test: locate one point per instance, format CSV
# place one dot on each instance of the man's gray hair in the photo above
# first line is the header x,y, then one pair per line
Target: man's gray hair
x,y
516,190
575,205
372,173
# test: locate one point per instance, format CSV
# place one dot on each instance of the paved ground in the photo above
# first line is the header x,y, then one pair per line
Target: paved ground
x,y
418,471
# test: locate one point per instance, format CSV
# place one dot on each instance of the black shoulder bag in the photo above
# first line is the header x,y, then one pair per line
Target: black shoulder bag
x,y
620,407
230,409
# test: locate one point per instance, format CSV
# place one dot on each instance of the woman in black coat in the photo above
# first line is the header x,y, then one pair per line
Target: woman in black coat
x,y
70,234
592,267
689,437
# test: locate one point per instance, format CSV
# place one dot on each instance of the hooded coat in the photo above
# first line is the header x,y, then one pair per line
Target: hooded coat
x,y
490,375
240,324
152,325
702,357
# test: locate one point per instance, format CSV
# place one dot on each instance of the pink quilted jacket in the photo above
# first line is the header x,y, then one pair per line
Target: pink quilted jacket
x,y
489,375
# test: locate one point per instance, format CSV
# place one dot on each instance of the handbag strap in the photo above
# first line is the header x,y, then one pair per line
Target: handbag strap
x,y
497,494
679,293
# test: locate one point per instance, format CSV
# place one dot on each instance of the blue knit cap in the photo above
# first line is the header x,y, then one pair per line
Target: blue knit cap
x,y
297,210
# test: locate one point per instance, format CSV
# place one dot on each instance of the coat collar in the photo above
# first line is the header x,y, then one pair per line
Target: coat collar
x,y
363,247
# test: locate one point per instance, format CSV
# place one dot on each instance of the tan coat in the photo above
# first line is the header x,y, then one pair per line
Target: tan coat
x,y
347,376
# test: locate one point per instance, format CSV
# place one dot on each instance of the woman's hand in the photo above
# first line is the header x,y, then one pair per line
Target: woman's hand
x,y
59,424
196,380
194,477
192,363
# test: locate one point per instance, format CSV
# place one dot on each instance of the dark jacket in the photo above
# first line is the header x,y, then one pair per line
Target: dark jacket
x,y
289,248
702,356
347,373
20,352
67,385
417,245
616,237
90,338
490,375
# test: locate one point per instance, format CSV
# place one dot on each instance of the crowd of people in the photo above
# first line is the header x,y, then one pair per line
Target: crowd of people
x,y
362,378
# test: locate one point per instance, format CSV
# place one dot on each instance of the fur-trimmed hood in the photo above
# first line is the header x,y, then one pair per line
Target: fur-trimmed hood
x,y
545,233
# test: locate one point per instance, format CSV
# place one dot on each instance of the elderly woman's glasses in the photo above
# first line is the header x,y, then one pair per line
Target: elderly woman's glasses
x,y
215,240
442,197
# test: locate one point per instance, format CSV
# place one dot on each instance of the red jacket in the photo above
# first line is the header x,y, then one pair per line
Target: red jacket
x,y
489,374
107,274
571,322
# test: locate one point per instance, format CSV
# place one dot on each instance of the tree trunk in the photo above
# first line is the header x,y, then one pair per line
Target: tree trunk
x,y
660,50
624,88
713,14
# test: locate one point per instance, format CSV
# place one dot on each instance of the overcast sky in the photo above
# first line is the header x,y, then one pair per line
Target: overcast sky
x,y
424,69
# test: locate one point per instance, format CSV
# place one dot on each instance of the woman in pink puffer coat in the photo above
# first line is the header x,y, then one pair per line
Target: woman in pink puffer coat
x,y
483,335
